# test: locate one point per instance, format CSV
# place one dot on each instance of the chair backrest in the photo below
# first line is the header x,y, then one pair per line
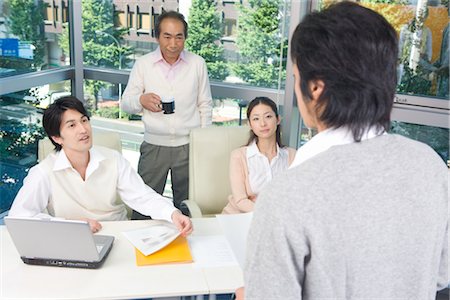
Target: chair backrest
x,y
106,139
209,161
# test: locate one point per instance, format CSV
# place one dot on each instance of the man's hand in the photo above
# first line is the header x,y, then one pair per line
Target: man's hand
x,y
240,293
93,224
182,222
151,102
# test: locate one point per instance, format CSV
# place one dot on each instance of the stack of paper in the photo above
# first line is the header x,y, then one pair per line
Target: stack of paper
x,y
176,252
158,244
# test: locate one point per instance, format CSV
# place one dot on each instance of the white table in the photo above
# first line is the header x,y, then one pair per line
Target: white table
x,y
119,277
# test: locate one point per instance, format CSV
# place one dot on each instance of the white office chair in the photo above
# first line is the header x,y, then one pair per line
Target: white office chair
x,y
209,160
106,139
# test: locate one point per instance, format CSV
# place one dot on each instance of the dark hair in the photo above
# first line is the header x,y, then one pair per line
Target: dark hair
x,y
353,50
269,102
170,15
53,116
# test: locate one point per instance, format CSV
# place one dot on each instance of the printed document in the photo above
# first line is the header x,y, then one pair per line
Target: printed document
x,y
152,237
211,251
235,227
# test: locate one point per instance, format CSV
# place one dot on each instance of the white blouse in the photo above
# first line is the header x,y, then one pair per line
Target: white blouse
x,y
260,170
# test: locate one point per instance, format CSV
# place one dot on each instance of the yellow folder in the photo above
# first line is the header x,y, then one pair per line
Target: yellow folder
x,y
176,252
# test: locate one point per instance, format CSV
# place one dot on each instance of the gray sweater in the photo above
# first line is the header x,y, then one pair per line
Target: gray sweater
x,y
365,220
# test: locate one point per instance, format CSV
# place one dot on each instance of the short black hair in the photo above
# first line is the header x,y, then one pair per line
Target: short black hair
x,y
269,102
170,15
353,50
52,117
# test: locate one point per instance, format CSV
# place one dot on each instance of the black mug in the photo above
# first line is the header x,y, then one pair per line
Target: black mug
x,y
168,107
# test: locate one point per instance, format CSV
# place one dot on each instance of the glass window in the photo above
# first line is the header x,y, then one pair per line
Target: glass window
x,y
20,130
423,45
48,14
144,22
104,35
437,138
229,27
103,99
229,112
65,13
55,13
33,47
153,21
253,41
131,20
238,49
120,20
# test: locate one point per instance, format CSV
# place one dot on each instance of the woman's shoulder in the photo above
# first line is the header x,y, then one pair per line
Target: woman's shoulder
x,y
238,152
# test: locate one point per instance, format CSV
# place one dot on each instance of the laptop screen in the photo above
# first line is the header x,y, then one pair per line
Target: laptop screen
x,y
53,239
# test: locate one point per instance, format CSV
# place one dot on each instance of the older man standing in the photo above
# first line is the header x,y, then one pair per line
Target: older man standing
x,y
168,74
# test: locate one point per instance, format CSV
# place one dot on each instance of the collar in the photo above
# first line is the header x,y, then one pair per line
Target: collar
x,y
158,57
252,150
329,138
62,162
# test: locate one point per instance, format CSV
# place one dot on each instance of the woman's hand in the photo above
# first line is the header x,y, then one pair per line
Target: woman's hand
x,y
182,222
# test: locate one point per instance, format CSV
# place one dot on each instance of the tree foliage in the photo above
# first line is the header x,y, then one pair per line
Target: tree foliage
x,y
204,37
259,42
99,48
26,21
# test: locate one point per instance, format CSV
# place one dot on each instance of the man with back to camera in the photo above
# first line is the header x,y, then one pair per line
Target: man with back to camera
x,y
361,214
168,74
81,182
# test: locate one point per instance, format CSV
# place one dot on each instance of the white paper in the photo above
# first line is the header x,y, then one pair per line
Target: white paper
x,y
211,251
235,227
153,237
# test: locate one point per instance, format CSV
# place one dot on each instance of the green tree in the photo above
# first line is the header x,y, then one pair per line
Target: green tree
x,y
25,20
204,35
259,42
99,48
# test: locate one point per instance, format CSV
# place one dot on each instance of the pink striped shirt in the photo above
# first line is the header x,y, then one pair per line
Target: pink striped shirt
x,y
167,69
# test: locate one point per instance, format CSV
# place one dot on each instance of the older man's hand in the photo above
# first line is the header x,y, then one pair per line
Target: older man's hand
x,y
151,102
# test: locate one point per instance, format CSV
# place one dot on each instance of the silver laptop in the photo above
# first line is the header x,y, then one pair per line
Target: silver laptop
x,y
60,243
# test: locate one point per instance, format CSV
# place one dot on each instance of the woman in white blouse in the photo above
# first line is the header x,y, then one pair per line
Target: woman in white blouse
x,y
264,157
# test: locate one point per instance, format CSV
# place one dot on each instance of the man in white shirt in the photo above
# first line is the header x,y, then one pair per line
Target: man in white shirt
x,y
168,74
82,182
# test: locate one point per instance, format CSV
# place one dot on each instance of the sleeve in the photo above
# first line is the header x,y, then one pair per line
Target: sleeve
x,y
204,100
139,196
135,88
273,268
32,199
443,275
238,178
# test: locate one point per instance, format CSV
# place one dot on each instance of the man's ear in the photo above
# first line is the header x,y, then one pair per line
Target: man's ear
x,y
316,88
57,139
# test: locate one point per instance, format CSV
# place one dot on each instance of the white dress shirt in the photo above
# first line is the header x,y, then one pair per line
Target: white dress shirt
x,y
35,196
260,171
328,138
